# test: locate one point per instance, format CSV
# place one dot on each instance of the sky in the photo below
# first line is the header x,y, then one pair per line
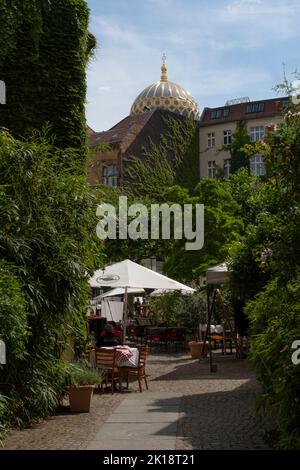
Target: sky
x,y
217,49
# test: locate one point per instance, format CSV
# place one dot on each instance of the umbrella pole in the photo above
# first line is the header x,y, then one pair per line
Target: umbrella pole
x,y
125,315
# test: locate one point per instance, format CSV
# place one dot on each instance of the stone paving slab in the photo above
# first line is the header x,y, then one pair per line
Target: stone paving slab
x,y
133,424
147,443
132,407
143,417
160,398
116,431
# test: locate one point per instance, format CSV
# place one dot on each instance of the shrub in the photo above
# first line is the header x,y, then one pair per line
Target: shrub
x,y
49,247
174,309
79,373
275,324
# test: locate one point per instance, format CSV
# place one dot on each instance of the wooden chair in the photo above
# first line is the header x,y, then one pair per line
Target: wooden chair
x,y
138,372
105,360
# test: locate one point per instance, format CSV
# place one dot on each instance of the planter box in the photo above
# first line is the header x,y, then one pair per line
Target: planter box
x,y
80,398
196,348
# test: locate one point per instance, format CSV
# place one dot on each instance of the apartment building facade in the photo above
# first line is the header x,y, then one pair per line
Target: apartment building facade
x,y
217,125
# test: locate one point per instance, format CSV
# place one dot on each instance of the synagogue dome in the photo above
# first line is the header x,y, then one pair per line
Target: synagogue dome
x,y
166,95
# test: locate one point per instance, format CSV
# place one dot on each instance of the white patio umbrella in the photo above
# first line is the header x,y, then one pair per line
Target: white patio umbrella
x,y
127,274
158,292
118,291
217,274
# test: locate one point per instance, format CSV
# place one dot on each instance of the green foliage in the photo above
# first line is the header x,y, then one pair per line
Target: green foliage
x,y
176,309
47,233
275,324
36,387
79,373
5,414
174,160
240,138
13,315
265,266
221,227
144,182
43,61
243,188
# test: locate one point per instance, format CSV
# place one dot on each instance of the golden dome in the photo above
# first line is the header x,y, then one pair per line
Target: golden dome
x,y
166,95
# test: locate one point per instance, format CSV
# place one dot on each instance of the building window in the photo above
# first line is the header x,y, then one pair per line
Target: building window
x,y
257,166
212,169
211,140
227,137
284,105
257,133
227,168
255,107
216,114
226,112
110,175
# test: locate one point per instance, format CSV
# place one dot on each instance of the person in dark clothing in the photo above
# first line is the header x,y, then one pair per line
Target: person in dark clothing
x,y
108,337
241,323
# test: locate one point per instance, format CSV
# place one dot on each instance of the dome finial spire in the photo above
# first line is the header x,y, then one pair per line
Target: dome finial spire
x,y
164,77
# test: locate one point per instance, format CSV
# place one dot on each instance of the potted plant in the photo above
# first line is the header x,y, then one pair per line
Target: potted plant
x,y
82,380
196,349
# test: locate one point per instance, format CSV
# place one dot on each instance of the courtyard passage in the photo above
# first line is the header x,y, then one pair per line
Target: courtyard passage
x,y
186,407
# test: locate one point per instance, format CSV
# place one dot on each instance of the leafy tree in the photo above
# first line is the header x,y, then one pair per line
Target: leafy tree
x,y
266,264
221,227
275,324
177,309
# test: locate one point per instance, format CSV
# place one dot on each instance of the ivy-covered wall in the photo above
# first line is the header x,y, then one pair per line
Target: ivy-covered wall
x,y
44,50
164,153
188,170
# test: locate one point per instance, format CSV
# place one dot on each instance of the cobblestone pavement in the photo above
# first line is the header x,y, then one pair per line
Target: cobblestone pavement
x,y
217,410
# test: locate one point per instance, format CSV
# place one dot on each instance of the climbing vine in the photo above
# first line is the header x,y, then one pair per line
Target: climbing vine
x,y
172,159
240,138
44,51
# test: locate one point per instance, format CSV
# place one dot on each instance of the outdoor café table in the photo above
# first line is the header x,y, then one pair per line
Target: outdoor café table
x,y
122,359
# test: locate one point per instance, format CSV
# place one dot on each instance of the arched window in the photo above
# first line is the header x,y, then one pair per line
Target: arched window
x,y
110,175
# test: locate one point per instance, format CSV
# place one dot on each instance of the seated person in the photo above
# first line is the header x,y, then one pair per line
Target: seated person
x,y
117,329
108,337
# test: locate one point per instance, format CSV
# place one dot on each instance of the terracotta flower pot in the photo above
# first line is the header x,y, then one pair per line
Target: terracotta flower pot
x,y
196,348
80,398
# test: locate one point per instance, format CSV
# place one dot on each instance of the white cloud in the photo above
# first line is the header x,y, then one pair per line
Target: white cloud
x,y
215,49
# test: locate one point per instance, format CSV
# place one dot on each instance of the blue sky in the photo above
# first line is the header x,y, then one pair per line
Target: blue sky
x,y
217,49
